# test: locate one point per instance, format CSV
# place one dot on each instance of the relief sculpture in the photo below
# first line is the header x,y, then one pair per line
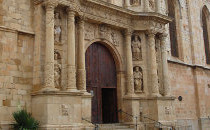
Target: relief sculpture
x,y
138,79
135,2
57,70
57,29
136,48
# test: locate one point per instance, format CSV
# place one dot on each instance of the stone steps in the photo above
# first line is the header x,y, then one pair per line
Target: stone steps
x,y
114,127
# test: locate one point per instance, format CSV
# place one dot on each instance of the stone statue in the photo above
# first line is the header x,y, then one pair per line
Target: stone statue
x,y
57,29
138,79
57,70
136,48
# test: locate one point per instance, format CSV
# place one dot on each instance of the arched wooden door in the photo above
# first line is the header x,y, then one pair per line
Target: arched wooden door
x,y
102,82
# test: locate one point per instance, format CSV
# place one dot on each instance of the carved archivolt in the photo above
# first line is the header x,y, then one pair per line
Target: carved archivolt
x,y
138,79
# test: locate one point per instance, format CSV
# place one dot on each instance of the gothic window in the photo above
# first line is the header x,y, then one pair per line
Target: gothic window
x,y
173,12
205,17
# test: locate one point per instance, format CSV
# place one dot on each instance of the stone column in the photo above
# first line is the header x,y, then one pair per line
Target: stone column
x,y
71,51
164,65
49,49
158,6
129,61
146,5
81,72
127,3
153,64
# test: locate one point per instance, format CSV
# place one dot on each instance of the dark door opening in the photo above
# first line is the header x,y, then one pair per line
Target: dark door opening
x,y
109,108
101,79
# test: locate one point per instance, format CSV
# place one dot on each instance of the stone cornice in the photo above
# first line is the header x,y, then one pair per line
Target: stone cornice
x,y
104,12
136,15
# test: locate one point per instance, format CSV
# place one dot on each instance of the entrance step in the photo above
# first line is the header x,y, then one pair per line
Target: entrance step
x,y
115,127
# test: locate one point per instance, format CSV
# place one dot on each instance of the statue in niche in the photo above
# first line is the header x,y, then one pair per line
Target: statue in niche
x,y
57,69
136,48
135,2
138,79
57,29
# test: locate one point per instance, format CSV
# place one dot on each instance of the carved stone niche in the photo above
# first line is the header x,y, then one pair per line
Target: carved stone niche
x,y
57,28
138,79
57,69
135,2
136,46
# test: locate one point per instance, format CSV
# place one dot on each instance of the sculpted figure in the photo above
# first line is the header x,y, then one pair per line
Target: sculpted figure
x,y
57,70
138,79
136,47
57,28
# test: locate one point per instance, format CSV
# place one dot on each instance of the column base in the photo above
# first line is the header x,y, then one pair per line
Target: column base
x,y
156,95
49,89
72,90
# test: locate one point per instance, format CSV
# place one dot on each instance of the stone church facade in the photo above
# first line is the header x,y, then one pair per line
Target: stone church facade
x,y
76,63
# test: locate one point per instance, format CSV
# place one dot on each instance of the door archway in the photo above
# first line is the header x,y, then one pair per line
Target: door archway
x,y
101,79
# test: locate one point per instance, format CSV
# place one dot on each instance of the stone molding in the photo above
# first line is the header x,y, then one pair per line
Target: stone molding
x,y
123,17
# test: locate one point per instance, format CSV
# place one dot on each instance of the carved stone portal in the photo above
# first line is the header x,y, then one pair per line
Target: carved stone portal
x,y
136,48
57,29
138,79
57,69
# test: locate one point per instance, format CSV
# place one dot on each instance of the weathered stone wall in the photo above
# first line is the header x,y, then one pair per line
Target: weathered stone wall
x,y
186,80
16,56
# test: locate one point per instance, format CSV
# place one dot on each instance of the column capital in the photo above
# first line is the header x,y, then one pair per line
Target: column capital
x,y
50,5
81,21
163,36
151,32
71,9
128,31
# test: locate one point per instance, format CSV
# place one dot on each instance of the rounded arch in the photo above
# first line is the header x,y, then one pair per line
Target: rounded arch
x,y
205,11
205,25
113,50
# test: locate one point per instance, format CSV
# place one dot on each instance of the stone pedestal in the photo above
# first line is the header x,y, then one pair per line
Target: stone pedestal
x,y
158,109
61,110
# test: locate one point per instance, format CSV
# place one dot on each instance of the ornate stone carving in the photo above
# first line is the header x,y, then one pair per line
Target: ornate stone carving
x,y
57,29
64,110
71,77
135,2
81,79
49,77
130,84
104,31
136,47
57,69
138,79
152,4
115,39
89,32
167,110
